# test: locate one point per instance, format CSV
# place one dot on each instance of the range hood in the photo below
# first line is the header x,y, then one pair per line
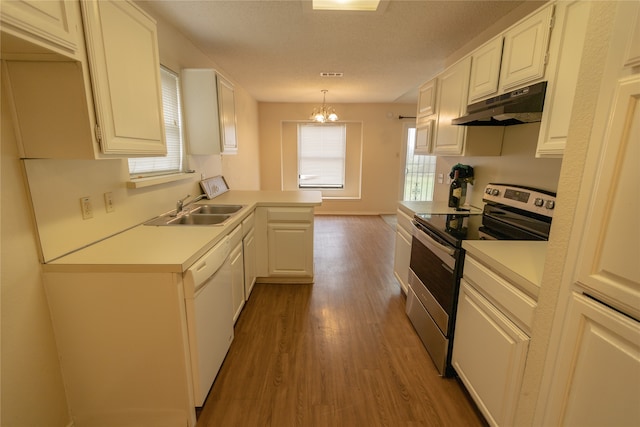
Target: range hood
x,y
520,106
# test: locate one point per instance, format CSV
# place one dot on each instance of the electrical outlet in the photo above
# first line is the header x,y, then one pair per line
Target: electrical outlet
x,y
440,178
108,202
85,206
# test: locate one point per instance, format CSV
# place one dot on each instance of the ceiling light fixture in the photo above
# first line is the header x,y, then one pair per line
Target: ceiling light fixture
x,y
324,113
353,5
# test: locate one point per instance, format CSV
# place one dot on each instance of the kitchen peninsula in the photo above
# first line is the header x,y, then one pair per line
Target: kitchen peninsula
x,y
120,303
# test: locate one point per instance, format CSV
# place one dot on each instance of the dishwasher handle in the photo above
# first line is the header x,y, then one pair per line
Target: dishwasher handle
x,y
207,265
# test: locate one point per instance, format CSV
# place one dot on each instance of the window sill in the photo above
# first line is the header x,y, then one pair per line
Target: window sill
x,y
157,180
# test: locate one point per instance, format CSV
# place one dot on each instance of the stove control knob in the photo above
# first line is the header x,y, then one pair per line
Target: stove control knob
x,y
550,204
539,202
487,190
495,192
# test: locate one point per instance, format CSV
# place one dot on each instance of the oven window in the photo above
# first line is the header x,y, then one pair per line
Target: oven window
x,y
436,276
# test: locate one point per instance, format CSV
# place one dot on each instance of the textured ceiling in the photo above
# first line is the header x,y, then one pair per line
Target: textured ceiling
x,y
276,49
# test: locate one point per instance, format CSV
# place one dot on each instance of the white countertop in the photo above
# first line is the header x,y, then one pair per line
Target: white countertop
x,y
172,248
441,207
520,262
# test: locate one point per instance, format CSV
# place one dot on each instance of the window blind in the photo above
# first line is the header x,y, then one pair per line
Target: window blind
x,y
173,161
321,155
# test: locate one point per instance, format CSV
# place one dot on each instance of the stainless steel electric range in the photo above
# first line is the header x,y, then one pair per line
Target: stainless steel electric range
x,y
510,212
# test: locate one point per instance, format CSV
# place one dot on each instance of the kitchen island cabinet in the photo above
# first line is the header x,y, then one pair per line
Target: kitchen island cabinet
x,y
284,242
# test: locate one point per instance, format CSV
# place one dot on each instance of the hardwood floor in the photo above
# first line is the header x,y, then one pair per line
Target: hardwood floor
x,y
340,352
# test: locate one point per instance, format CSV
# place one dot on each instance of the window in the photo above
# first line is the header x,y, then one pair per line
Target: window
x,y
173,162
419,171
321,155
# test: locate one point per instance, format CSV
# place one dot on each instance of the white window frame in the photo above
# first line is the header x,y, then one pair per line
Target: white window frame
x,y
174,161
322,152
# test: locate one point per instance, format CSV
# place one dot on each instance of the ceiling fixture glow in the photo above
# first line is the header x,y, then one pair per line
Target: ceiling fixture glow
x,y
323,114
357,5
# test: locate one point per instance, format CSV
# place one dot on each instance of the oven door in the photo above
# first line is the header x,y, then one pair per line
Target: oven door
x,y
432,292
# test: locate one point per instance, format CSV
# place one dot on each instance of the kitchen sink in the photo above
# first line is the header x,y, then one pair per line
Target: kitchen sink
x,y
199,219
206,214
216,209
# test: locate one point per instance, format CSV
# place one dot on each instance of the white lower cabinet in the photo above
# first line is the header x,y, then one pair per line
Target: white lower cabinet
x,y
489,354
403,250
249,253
284,244
237,272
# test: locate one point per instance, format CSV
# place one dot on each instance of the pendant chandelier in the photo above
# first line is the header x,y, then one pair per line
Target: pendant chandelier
x,y
324,114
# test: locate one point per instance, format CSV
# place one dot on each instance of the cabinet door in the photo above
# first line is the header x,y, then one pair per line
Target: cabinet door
x,y
452,103
249,251
290,249
608,263
424,137
565,51
227,106
485,70
125,73
237,280
427,99
489,354
525,49
51,24
402,251
597,373
201,114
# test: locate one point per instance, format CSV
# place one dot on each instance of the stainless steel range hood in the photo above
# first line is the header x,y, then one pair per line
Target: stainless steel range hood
x,y
520,106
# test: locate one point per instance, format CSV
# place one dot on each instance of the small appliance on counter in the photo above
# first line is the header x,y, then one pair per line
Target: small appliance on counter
x,y
511,212
461,175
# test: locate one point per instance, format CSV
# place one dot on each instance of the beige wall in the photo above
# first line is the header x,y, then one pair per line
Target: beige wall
x,y
382,141
516,165
32,389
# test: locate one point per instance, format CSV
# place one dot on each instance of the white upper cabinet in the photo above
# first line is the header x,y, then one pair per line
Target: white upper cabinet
x,y
227,107
426,117
427,99
50,24
565,53
452,103
125,73
485,70
210,112
525,50
201,115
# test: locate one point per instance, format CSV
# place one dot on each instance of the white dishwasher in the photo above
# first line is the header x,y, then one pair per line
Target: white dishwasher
x,y
207,288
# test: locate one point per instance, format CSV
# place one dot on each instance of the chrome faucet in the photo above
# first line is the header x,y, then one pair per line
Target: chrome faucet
x,y
180,204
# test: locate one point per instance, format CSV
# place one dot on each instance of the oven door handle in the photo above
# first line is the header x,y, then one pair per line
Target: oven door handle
x,y
445,253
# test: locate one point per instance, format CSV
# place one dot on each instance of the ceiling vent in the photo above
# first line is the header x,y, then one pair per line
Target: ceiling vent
x,y
331,74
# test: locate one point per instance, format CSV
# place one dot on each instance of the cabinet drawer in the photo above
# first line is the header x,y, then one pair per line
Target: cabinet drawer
x,y
404,221
515,304
248,223
289,214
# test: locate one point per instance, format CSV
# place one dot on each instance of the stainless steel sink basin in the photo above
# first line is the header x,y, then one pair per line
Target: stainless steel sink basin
x,y
199,219
216,209
198,215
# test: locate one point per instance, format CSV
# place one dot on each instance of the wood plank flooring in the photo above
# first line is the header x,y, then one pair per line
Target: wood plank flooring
x,y
340,352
